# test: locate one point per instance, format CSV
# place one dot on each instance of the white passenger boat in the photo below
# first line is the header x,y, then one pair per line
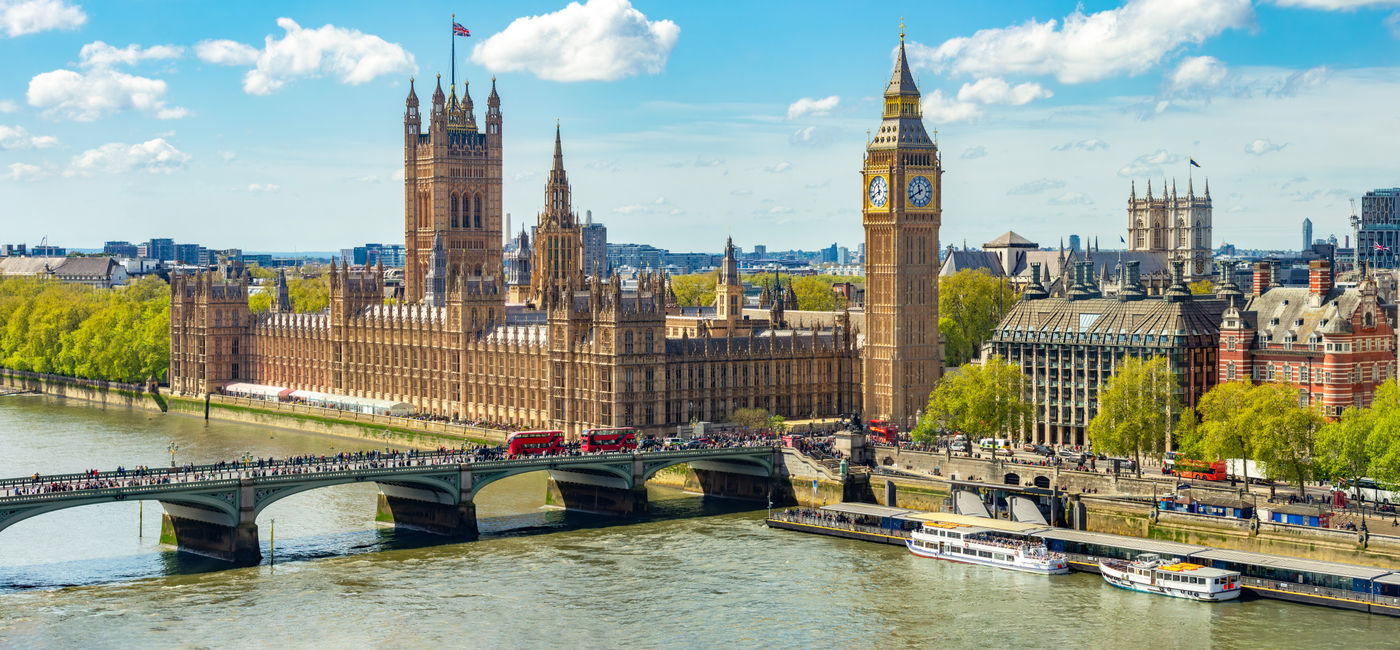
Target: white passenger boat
x,y
1151,574
978,545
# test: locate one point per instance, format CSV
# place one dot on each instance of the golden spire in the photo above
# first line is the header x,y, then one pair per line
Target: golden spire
x,y
901,29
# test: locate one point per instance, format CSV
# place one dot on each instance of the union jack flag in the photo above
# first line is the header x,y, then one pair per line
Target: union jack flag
x,y
1381,248
459,30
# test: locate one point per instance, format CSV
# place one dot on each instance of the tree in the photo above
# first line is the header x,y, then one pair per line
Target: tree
x,y
1202,287
750,418
695,290
1285,431
1136,408
1342,444
310,295
777,424
814,293
260,302
979,401
1383,439
1226,429
970,305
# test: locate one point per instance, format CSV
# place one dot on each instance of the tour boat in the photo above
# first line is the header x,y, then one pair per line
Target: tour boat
x,y
977,545
1151,574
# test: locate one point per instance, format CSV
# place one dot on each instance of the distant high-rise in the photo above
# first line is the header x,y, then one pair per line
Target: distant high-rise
x,y
595,246
119,249
1378,230
1307,234
1074,243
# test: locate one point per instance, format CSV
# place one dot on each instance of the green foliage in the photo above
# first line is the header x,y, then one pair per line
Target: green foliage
x,y
1202,287
752,418
980,401
696,289
260,273
777,423
261,301
310,295
120,334
813,291
1264,423
1364,442
1136,408
970,305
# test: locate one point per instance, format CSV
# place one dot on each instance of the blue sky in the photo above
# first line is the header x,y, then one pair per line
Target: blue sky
x,y
278,126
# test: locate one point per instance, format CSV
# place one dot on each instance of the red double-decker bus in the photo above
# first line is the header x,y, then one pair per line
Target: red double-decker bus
x,y
883,433
1199,469
609,440
535,443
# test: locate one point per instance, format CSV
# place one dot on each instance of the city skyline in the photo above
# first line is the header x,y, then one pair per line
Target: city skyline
x,y
681,120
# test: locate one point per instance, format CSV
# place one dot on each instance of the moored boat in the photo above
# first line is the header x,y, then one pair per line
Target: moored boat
x,y
1151,574
978,545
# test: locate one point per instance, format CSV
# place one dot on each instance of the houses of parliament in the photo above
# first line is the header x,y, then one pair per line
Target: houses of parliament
x,y
575,350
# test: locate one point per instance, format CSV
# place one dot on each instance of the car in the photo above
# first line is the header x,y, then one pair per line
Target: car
x,y
648,443
694,444
672,442
1043,450
1069,453
957,445
1029,447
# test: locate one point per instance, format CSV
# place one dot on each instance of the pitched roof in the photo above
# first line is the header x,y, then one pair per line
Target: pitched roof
x,y
85,267
1010,239
965,260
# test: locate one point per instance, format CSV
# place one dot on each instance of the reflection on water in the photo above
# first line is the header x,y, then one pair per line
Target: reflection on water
x,y
693,573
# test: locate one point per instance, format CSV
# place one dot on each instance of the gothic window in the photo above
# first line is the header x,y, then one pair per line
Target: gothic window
x,y
454,211
627,343
476,211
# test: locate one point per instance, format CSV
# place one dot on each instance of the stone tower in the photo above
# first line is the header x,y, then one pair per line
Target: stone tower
x,y
1175,224
452,187
558,257
902,199
729,290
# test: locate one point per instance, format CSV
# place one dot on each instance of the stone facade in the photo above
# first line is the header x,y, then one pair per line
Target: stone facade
x,y
1069,347
582,352
1335,345
902,210
1174,224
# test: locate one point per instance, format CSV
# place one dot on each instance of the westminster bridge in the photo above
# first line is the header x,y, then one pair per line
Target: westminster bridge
x,y
212,510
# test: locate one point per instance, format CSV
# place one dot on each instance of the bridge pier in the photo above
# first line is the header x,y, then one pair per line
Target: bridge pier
x,y
592,497
450,520
211,533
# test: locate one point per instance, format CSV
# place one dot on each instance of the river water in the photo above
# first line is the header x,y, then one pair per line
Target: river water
x,y
694,573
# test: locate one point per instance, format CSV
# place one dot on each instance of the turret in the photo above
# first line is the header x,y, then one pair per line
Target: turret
x,y
493,114
412,121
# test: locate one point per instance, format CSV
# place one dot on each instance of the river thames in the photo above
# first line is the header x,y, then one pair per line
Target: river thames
x,y
693,573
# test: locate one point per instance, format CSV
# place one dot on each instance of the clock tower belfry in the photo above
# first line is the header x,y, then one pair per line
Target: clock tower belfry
x,y
902,200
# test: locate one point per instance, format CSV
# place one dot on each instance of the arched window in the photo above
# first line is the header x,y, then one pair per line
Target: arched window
x,y
454,211
1370,320
476,211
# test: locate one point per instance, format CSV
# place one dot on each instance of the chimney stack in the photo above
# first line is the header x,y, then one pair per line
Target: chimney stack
x,y
1262,277
1319,277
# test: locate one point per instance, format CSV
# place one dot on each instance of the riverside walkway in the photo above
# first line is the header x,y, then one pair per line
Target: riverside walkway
x,y
212,509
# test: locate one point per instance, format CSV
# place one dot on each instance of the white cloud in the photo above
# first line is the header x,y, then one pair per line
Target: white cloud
x,y
630,209
994,90
778,209
972,153
778,168
263,187
810,106
350,55
1149,164
24,172
1036,187
1262,146
101,55
1299,81
1072,198
227,155
944,110
20,17
85,97
810,136
9,106
226,52
1197,72
603,40
1088,144
155,156
1127,40
1336,5
16,137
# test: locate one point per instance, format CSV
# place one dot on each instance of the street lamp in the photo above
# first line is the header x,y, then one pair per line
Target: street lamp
x,y
172,449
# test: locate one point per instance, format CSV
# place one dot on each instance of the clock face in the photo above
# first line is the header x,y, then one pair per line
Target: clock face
x,y
879,191
920,191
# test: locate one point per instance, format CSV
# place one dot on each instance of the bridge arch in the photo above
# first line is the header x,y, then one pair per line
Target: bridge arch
x,y
484,477
446,489
747,465
218,508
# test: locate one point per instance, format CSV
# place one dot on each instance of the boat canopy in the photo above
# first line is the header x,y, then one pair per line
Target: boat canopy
x,y
257,391
1291,564
357,404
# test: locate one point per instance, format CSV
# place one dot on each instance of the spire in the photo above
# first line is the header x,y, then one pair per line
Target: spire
x,y
438,97
412,95
902,81
558,150
1149,189
493,99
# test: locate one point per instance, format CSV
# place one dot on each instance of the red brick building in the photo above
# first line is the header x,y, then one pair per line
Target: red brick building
x,y
1336,345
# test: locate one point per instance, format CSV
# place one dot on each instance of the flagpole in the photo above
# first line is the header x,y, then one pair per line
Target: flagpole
x,y
453,36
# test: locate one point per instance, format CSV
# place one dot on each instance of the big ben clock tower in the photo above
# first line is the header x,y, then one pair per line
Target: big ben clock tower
x,y
902,195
